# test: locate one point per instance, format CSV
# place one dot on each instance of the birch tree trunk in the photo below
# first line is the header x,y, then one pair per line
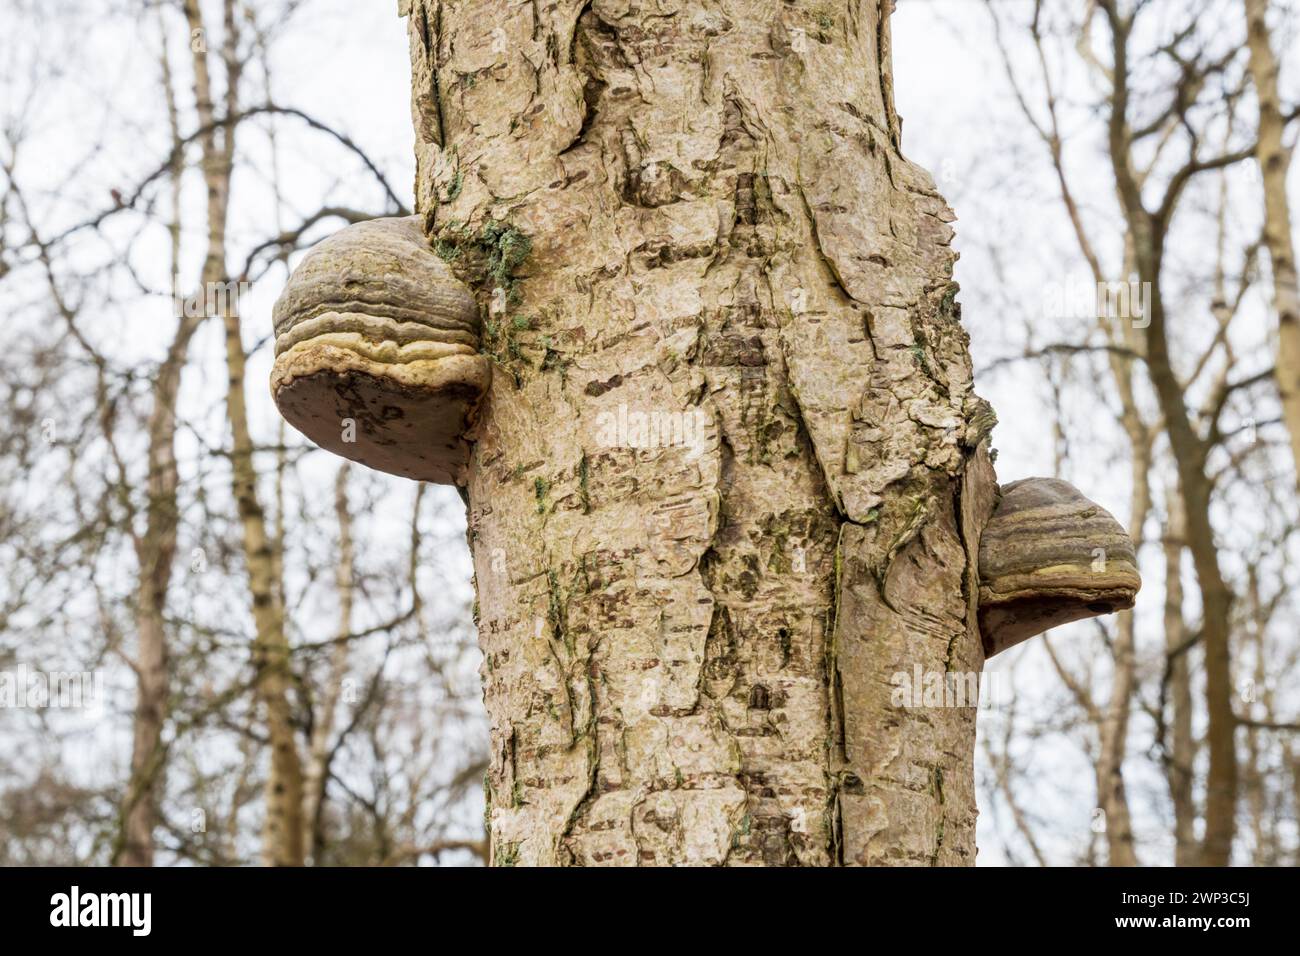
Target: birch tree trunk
x,y
731,473
282,834
1181,749
319,752
1112,731
156,549
282,828
1274,162
1113,723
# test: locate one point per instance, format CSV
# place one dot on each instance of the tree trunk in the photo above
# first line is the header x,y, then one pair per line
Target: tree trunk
x,y
282,834
731,473
1274,161
319,751
156,556
156,549
1148,232
1181,749
1194,490
1112,732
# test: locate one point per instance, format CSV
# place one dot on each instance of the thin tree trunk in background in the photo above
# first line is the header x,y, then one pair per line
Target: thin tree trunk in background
x,y
1256,796
317,775
282,832
1216,599
1293,761
156,558
1182,747
1274,162
1149,233
1113,730
690,653
156,550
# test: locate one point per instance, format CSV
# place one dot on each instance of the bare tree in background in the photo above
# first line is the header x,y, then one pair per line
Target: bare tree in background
x,y
1174,128
104,429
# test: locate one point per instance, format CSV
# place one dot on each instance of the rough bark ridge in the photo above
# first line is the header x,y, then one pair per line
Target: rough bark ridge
x,y
700,209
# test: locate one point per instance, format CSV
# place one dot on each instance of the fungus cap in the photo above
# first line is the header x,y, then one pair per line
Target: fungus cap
x,y
377,352
1048,556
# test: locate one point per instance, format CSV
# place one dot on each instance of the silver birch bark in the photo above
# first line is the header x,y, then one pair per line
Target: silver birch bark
x,y
698,213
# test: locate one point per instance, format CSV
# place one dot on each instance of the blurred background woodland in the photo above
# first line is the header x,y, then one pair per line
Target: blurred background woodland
x,y
243,597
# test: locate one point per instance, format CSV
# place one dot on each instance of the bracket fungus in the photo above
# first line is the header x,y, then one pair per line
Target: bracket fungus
x,y
377,352
1049,556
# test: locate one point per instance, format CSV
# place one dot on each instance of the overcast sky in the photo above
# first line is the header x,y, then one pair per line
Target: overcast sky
x,y
346,64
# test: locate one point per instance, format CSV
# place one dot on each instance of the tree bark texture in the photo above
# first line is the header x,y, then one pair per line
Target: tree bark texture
x,y
701,210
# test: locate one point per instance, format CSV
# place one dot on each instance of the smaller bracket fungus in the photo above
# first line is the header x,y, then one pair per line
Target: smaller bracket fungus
x,y
1049,556
377,352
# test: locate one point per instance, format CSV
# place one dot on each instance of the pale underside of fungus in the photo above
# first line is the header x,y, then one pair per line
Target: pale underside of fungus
x,y
377,360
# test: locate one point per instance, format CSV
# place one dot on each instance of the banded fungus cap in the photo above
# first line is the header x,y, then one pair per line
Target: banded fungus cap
x,y
377,352
1048,556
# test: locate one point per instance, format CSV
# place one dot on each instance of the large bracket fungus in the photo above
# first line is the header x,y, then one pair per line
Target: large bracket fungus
x,y
377,352
1049,556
